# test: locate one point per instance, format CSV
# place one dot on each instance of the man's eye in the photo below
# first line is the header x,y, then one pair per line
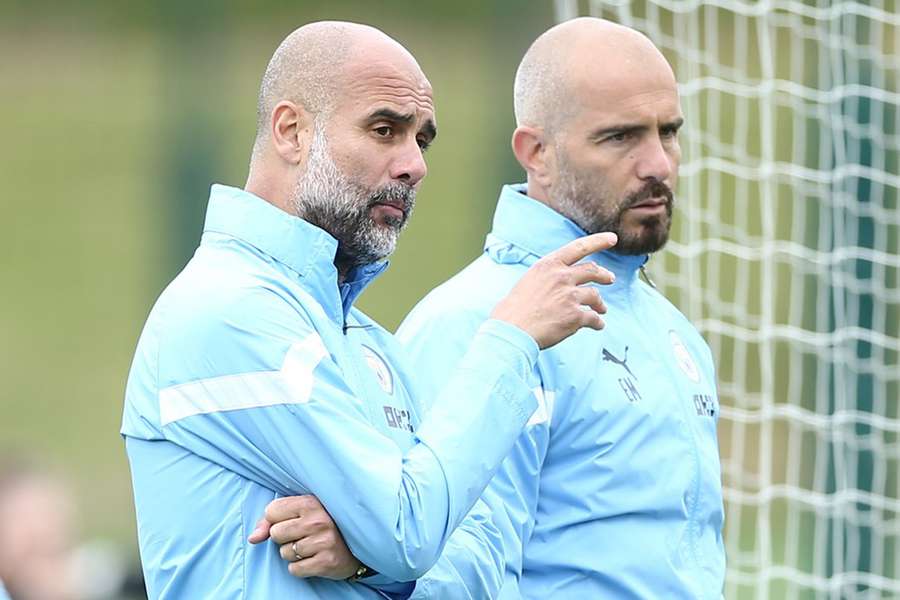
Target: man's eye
x,y
423,144
619,137
384,131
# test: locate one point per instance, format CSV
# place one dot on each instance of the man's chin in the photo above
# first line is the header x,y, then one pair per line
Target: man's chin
x,y
645,240
384,247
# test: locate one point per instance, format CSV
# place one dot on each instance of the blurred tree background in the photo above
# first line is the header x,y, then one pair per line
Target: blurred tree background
x,y
118,117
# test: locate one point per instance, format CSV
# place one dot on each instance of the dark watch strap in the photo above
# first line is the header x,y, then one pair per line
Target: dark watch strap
x,y
362,572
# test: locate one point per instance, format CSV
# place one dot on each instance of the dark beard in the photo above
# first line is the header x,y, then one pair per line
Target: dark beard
x,y
654,229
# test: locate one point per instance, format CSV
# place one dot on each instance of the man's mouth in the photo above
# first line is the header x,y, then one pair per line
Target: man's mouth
x,y
392,205
651,204
393,210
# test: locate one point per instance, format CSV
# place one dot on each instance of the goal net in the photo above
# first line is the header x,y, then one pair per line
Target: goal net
x,y
785,253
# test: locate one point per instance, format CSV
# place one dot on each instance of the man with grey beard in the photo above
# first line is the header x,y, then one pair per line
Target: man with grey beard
x,y
613,490
255,377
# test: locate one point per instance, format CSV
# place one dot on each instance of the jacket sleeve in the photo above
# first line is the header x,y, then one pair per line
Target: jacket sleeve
x,y
471,565
279,412
436,341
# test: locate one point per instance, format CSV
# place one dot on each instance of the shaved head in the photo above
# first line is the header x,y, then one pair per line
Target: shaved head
x,y
557,65
302,70
597,114
313,64
343,116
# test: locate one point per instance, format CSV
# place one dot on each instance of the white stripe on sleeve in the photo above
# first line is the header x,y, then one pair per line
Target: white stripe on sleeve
x,y
291,385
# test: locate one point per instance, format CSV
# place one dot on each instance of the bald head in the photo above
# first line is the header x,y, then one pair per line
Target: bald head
x,y
598,115
345,113
566,62
314,62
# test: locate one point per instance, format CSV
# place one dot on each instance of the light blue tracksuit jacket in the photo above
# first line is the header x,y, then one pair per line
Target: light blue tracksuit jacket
x,y
613,491
255,378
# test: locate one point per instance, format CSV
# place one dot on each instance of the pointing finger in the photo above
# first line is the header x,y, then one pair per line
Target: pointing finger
x,y
575,250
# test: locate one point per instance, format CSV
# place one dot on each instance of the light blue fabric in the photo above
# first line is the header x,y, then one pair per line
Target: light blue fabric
x,y
613,490
254,378
4,595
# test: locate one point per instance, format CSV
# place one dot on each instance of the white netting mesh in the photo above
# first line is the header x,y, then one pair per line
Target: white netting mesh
x,y
786,255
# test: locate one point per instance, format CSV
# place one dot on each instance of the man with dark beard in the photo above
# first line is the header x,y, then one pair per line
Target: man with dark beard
x,y
255,377
613,490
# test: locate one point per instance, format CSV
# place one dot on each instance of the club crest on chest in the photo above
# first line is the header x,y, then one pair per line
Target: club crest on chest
x,y
683,358
379,368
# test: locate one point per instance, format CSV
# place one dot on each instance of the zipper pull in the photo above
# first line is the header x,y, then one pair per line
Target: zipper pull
x,y
647,277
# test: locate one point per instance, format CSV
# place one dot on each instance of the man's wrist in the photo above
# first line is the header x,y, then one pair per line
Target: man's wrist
x,y
509,336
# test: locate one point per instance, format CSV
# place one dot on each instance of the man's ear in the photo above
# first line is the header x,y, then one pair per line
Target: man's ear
x,y
290,130
533,153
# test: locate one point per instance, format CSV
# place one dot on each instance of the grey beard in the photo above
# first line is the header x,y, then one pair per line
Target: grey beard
x,y
327,198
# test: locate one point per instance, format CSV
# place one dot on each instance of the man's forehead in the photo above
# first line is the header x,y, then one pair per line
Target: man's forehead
x,y
660,100
649,112
626,92
391,87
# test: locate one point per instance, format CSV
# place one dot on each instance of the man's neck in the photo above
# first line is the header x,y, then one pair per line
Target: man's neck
x,y
343,263
537,192
269,187
343,268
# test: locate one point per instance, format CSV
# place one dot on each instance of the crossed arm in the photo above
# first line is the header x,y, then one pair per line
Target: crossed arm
x,y
469,568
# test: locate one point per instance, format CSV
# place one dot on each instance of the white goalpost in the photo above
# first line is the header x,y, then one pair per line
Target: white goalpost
x,y
785,253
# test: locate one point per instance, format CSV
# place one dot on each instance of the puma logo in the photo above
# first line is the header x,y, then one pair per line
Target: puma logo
x,y
607,355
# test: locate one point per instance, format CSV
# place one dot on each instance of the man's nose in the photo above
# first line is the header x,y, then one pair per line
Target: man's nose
x,y
655,162
409,166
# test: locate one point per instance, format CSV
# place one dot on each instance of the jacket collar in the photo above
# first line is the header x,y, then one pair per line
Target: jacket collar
x,y
299,245
526,229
